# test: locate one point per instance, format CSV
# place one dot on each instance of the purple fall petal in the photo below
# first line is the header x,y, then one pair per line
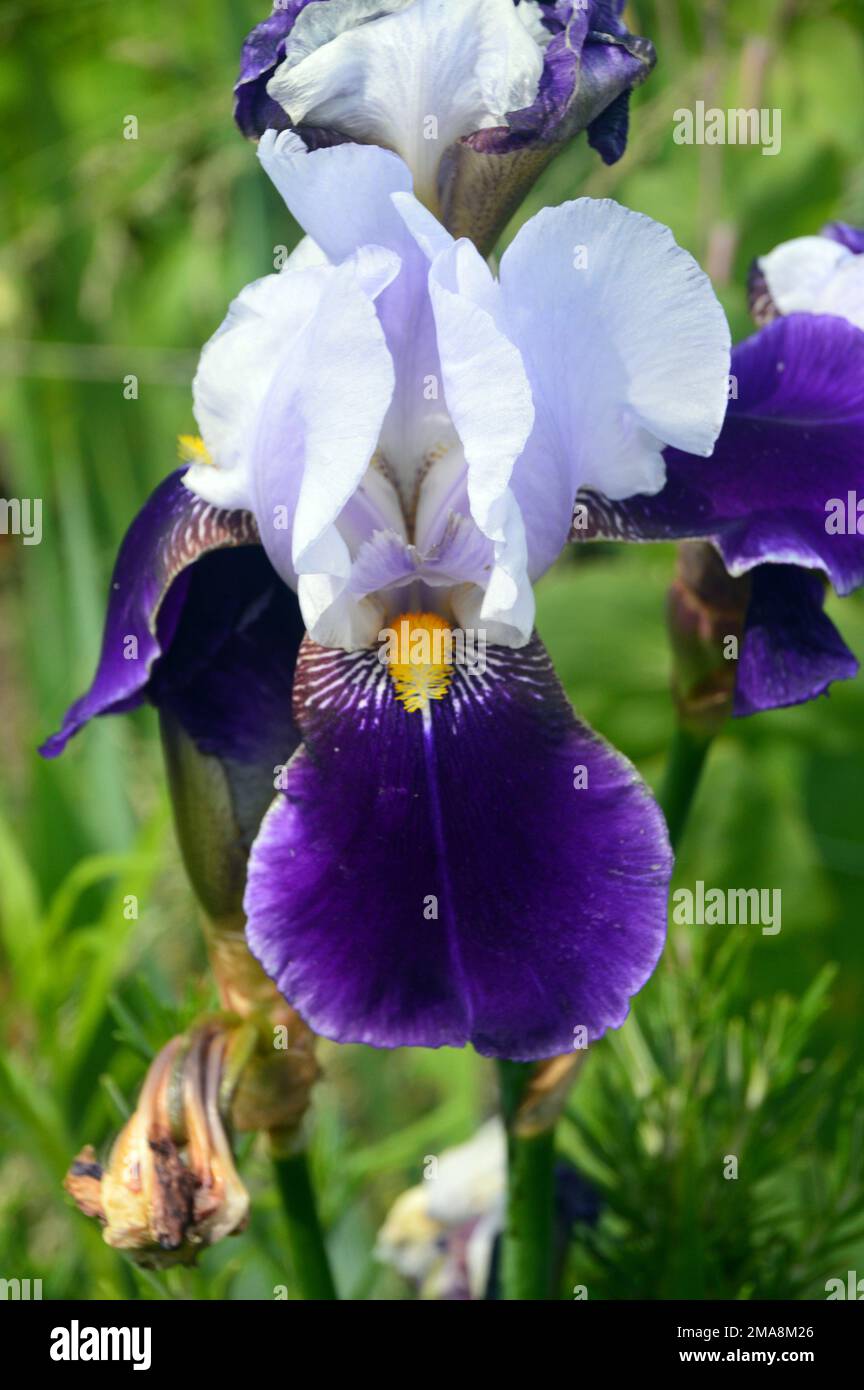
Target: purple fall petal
x,y
228,673
791,651
792,442
437,879
148,589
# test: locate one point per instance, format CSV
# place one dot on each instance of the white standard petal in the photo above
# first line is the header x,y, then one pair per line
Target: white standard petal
x,y
627,350
324,410
306,255
344,197
798,272
235,370
490,403
485,384
340,195
313,435
414,76
844,293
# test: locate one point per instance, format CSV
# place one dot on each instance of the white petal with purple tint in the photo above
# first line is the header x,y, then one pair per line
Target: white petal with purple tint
x,y
797,272
626,348
414,76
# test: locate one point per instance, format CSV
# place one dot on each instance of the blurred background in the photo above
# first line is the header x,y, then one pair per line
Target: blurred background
x,y
119,257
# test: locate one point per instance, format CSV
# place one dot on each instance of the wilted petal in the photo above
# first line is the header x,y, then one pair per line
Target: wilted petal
x,y
170,1187
435,877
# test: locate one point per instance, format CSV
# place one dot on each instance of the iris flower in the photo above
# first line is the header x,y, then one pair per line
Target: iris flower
x,y
444,1234
821,274
397,437
441,1234
779,495
475,95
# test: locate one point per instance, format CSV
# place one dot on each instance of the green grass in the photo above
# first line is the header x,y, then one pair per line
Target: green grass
x,y
120,257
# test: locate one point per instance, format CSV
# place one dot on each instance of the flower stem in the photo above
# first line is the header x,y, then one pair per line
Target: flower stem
x,y
526,1265
305,1236
687,754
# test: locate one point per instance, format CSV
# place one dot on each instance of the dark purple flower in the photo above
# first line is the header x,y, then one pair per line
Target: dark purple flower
x,y
476,95
779,497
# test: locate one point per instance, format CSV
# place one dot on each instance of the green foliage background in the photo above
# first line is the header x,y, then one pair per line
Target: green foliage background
x,y
120,257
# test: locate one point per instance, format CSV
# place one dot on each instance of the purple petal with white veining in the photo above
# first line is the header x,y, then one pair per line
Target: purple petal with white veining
x,y
148,589
434,879
793,441
790,651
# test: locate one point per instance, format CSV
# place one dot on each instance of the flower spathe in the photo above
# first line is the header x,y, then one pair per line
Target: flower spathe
x,y
451,856
475,95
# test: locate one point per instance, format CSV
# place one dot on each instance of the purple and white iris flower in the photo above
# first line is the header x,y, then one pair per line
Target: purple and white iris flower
x,y
821,274
475,95
397,437
782,495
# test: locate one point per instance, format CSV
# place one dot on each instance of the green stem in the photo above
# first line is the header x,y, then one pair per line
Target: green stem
x,y
305,1237
687,754
526,1265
